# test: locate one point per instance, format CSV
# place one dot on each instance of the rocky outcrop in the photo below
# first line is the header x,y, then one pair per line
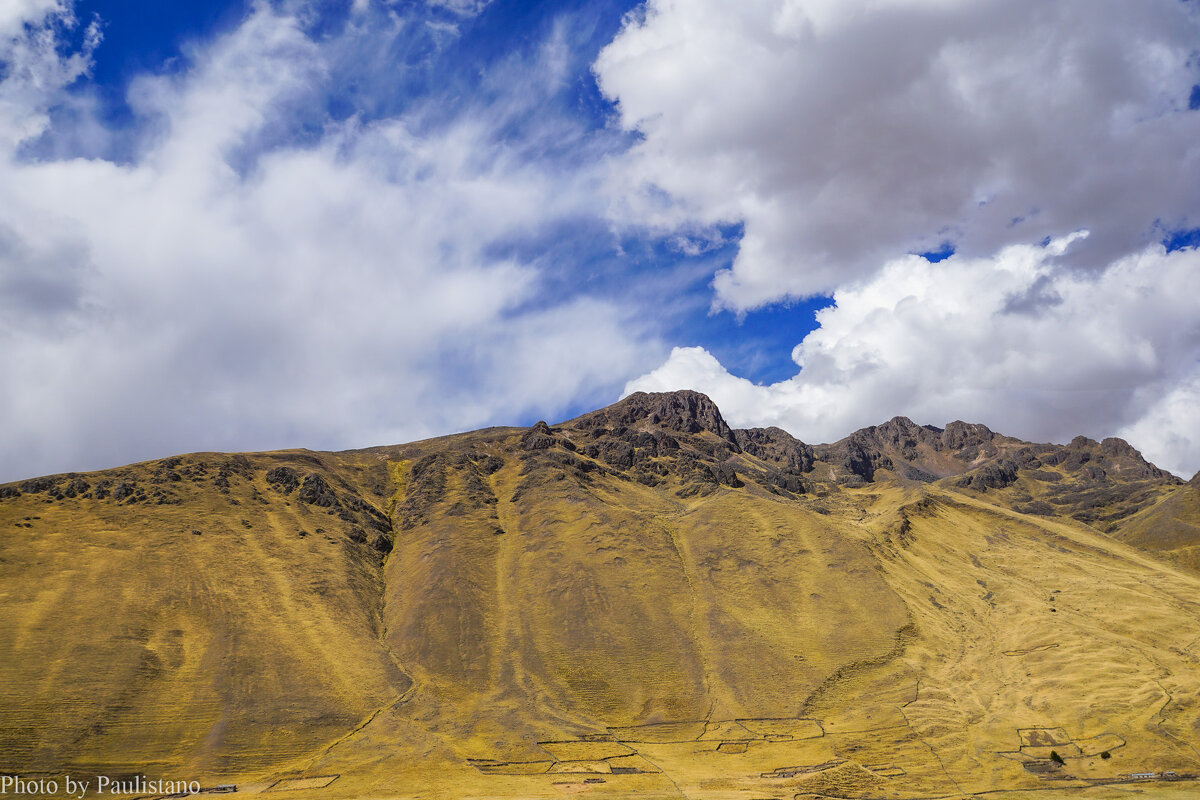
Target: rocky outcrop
x,y
685,412
966,438
898,445
777,446
996,475
283,479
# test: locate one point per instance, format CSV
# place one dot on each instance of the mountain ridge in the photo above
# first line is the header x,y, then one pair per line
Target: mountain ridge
x,y
690,411
642,595
1048,479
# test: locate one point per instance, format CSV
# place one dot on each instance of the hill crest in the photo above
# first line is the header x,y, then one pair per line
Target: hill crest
x,y
643,595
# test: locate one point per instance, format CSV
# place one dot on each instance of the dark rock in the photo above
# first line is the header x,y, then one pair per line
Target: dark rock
x,y
164,474
858,460
646,444
426,487
1053,458
1076,458
915,474
724,475
488,464
777,446
996,475
903,433
1026,458
539,437
371,516
959,435
619,454
237,466
478,493
37,485
1119,448
123,490
315,491
685,412
784,481
283,479
646,478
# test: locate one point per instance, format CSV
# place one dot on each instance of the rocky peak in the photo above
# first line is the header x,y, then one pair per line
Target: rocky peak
x,y
776,445
917,452
539,437
683,411
959,435
901,432
1096,459
1119,448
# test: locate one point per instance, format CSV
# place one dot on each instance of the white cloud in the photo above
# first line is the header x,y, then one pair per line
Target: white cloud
x,y
844,133
35,74
215,292
15,14
464,8
1168,429
1017,341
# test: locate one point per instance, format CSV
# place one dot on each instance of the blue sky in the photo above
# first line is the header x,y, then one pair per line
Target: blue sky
x,y
433,68
335,224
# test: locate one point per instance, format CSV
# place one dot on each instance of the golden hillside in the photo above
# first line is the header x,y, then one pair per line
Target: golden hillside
x,y
641,602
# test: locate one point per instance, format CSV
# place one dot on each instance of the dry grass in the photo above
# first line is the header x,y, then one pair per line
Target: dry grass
x,y
535,633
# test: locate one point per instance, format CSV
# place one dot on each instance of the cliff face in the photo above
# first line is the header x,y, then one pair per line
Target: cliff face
x,y
642,595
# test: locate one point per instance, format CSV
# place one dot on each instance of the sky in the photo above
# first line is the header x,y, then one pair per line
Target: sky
x,y
331,224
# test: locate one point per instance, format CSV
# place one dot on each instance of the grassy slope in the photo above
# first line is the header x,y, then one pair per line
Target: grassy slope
x,y
526,601
1172,526
198,634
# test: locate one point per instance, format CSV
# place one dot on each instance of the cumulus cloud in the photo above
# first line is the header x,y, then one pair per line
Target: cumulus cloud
x,y
1167,429
16,14
1018,341
843,133
225,287
35,73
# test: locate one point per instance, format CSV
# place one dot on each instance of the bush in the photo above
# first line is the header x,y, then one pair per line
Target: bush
x,y
1055,757
1106,755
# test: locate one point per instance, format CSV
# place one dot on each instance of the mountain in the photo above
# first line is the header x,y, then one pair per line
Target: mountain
x,y
1170,526
639,602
